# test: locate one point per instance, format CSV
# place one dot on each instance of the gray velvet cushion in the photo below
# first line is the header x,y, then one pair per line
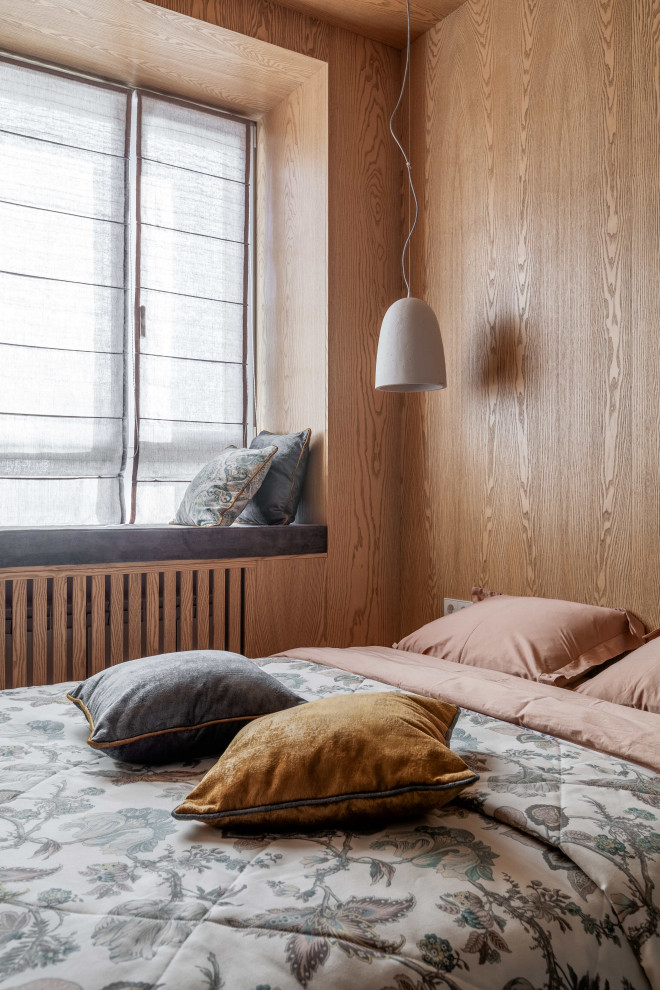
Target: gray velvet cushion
x,y
176,706
222,488
276,501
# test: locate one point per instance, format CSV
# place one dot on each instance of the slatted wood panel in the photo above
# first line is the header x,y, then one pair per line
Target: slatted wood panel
x,y
537,471
61,625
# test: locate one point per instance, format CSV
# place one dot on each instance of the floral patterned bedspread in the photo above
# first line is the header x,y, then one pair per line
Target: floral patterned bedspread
x,y
544,874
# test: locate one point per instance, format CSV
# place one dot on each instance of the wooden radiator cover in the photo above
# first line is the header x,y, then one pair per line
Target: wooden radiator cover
x,y
68,623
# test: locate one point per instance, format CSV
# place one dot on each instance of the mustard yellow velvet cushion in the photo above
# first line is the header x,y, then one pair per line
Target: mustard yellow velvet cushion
x,y
348,758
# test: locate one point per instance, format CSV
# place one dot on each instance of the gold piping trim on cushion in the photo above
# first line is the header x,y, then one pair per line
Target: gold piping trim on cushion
x,y
157,732
238,494
88,716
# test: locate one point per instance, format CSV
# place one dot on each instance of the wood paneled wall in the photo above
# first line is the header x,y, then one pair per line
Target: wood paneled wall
x,y
291,358
360,587
538,470
384,20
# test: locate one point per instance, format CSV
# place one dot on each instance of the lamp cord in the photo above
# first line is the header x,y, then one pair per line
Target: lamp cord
x,y
405,156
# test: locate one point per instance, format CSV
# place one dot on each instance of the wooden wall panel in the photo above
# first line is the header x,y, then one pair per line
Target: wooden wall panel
x,y
292,263
384,20
142,45
260,19
285,603
538,468
364,234
645,294
364,426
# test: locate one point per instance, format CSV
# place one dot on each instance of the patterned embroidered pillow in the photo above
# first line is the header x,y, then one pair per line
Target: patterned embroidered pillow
x,y
276,501
351,758
220,491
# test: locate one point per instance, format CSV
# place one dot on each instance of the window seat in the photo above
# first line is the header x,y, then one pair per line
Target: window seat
x,y
72,545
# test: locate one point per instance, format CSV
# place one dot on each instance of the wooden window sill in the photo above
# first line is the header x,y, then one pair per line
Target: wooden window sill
x,y
72,545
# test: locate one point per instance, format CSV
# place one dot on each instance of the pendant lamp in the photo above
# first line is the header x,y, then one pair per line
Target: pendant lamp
x,y
410,353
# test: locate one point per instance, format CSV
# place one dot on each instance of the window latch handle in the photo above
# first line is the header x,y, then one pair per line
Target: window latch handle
x,y
143,321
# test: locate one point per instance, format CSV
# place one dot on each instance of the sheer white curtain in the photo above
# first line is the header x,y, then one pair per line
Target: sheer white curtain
x,y
193,181
62,166
75,367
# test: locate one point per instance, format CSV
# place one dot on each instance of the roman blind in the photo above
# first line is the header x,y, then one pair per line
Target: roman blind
x,y
193,273
62,194
124,297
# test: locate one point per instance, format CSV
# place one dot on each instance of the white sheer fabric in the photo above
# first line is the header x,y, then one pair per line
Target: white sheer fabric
x,y
66,343
62,194
193,175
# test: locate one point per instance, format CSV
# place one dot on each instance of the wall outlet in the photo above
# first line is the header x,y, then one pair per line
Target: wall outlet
x,y
452,605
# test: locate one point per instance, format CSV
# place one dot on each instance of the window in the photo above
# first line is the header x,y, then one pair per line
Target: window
x,y
125,311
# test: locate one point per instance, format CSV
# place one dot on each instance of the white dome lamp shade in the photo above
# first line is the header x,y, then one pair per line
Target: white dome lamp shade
x,y
410,357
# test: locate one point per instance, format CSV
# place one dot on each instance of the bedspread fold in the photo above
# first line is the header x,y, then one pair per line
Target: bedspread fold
x,y
600,725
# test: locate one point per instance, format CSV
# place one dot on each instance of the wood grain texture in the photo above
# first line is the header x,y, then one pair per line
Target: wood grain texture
x,y
59,629
261,19
285,602
78,627
536,475
291,354
169,611
234,610
383,20
202,623
139,567
116,618
219,595
19,633
645,297
98,649
185,610
99,613
147,45
134,615
40,631
152,613
364,426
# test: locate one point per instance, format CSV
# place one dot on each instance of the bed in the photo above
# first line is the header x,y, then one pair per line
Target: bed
x,y
543,874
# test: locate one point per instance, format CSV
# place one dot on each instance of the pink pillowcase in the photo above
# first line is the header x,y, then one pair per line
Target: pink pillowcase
x,y
633,681
542,639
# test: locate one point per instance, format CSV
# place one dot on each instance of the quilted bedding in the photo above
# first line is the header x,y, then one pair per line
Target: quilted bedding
x,y
544,874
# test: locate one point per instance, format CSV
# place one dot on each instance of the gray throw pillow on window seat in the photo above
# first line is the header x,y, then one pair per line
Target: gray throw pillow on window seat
x,y
276,501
